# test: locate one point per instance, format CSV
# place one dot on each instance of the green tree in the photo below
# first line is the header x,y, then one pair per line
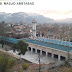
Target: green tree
x,y
21,47
6,63
2,28
70,69
3,31
24,66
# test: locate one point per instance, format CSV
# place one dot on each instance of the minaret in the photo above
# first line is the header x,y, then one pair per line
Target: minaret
x,y
34,27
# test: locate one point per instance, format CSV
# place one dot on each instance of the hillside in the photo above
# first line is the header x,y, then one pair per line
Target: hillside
x,y
24,17
67,20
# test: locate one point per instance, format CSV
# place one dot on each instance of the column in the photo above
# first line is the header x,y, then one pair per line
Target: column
x,y
35,50
40,52
31,49
27,48
66,58
58,57
46,53
52,55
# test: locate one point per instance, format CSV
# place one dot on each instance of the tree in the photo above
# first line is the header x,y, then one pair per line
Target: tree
x,y
6,63
2,28
70,69
2,42
24,66
3,31
21,47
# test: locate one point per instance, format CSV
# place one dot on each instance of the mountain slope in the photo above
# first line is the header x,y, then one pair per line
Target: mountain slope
x,y
24,17
67,20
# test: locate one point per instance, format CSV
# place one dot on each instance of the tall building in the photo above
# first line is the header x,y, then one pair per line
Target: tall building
x,y
34,28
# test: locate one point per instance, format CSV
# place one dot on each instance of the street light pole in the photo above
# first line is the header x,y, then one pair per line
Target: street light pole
x,y
39,61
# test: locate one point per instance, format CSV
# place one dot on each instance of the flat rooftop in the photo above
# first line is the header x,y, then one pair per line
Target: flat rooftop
x,y
47,44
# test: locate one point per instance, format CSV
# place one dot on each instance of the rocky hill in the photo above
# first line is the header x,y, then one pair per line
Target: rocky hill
x,y
24,17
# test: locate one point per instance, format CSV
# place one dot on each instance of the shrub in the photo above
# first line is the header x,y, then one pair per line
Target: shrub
x,y
24,66
21,46
11,63
6,63
21,71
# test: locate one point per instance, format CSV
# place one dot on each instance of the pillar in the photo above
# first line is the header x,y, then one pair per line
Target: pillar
x,y
66,58
40,52
52,55
46,53
27,48
35,50
58,57
31,49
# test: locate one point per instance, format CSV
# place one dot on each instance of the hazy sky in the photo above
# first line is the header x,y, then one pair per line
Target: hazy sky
x,y
56,9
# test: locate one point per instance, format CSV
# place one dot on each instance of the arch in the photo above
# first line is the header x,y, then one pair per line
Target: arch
x,y
55,56
43,53
49,54
38,51
34,50
29,48
63,58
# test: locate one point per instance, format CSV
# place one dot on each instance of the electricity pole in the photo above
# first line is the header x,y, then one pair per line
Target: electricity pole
x,y
39,61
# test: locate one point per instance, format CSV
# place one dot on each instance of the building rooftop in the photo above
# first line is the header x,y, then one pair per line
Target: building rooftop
x,y
51,45
41,43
